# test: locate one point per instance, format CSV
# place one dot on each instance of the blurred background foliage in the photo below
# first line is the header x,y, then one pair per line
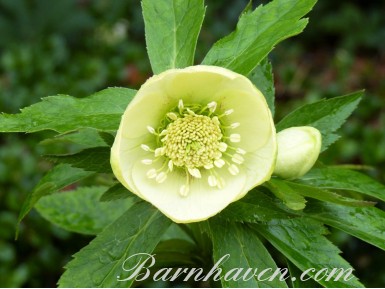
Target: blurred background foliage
x,y
77,47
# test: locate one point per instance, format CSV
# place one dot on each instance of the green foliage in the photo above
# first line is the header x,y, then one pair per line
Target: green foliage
x,y
343,179
245,251
326,115
301,240
64,113
98,264
283,191
80,210
257,33
56,179
364,223
93,159
116,192
263,78
172,29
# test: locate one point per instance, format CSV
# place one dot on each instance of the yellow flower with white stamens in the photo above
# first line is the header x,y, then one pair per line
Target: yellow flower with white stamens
x,y
194,140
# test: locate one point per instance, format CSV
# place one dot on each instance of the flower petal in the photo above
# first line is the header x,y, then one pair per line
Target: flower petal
x,y
202,200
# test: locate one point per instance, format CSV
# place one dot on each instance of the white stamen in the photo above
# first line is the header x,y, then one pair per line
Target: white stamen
x,y
145,147
221,183
190,112
172,116
180,105
216,120
161,177
235,125
219,163
233,169
151,174
212,180
238,159
208,166
164,132
235,137
217,155
228,112
170,165
194,172
212,106
151,129
241,151
184,190
147,162
222,146
160,151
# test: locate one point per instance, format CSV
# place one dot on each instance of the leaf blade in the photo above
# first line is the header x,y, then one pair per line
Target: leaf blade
x,y
245,250
63,113
98,264
364,223
257,33
325,115
172,28
80,210
301,240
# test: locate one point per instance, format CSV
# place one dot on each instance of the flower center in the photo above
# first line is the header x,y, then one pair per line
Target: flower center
x,y
193,141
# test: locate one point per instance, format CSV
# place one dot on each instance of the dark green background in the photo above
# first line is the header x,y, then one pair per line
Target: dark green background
x,y
77,47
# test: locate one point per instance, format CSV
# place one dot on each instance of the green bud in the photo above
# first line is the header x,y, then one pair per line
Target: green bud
x,y
298,150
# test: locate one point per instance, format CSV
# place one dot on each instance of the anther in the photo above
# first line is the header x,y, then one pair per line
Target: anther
x,y
172,116
151,129
194,172
212,106
241,151
208,166
235,125
160,151
180,105
184,190
219,163
220,183
170,165
235,137
145,147
161,177
147,162
151,174
164,132
228,112
238,159
222,146
212,180
233,169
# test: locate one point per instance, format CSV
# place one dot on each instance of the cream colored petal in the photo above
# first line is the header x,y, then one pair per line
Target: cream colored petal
x,y
202,201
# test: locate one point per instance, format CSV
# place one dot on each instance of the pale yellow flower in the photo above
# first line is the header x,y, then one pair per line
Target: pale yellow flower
x,y
194,140
298,150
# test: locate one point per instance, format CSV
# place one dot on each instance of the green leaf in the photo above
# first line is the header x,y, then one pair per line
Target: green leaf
x,y
263,79
244,250
301,240
100,263
92,159
283,191
295,278
257,33
58,178
63,113
325,195
325,115
116,192
256,206
82,138
343,179
80,210
367,224
172,28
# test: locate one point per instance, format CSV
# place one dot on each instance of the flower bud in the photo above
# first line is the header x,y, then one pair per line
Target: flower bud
x,y
298,150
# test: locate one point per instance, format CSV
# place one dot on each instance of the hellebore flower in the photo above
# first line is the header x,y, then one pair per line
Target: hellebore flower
x,y
298,150
194,140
